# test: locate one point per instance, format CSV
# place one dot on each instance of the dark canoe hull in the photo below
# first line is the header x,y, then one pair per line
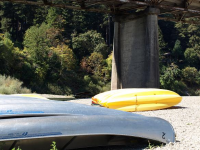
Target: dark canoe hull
x,y
74,142
37,123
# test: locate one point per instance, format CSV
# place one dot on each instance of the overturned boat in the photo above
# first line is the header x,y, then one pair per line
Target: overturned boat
x,y
33,123
137,99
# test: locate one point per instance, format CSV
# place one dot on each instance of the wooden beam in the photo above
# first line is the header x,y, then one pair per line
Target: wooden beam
x,y
57,5
187,3
176,20
113,5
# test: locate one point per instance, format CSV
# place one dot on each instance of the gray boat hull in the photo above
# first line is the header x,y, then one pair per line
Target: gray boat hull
x,y
31,122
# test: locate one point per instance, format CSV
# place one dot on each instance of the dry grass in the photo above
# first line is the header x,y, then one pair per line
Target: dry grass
x,y
9,85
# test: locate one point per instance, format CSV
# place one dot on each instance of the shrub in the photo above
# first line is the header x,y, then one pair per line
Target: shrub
x,y
53,147
169,75
197,92
94,85
55,89
17,148
190,75
107,87
10,85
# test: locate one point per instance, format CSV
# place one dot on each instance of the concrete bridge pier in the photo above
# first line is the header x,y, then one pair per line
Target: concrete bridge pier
x,y
136,51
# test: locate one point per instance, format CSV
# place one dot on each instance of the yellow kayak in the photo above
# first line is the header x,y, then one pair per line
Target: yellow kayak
x,y
31,95
137,99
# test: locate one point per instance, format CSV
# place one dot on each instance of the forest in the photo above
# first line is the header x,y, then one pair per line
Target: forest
x,y
60,51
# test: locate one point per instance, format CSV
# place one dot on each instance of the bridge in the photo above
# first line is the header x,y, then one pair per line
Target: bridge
x,y
136,48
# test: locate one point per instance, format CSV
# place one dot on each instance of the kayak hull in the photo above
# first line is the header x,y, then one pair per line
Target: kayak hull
x,y
33,123
138,99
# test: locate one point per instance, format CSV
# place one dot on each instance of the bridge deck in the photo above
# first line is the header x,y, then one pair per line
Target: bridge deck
x,y
178,10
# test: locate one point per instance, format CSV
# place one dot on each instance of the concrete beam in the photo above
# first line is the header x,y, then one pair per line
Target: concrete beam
x,y
136,51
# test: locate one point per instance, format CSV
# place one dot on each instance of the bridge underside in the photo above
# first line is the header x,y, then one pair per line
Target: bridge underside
x,y
172,10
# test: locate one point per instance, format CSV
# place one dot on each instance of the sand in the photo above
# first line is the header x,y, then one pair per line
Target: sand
x,y
185,118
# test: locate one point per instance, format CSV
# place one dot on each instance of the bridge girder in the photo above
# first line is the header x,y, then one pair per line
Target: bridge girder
x,y
178,10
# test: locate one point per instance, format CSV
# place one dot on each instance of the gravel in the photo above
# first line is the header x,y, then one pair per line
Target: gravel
x,y
185,118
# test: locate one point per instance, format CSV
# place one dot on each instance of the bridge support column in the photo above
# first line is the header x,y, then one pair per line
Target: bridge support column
x,y
136,51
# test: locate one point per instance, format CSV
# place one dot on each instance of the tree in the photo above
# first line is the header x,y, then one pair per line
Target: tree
x,y
191,34
191,76
192,56
93,64
6,55
170,79
171,74
89,42
55,19
16,19
177,50
66,57
107,68
37,46
36,42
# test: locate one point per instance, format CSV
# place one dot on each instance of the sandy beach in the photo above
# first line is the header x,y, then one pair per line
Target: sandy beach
x,y
185,118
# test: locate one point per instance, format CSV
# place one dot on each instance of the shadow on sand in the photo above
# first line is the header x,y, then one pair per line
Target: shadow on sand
x,y
176,107
139,144
62,99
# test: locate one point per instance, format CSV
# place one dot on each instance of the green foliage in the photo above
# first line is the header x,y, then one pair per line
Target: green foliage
x,y
95,85
44,59
107,69
192,56
66,56
184,51
162,43
5,24
17,148
170,80
89,42
197,92
9,85
48,61
60,51
177,50
53,145
7,57
106,87
191,76
56,89
98,73
51,16
170,75
83,21
191,33
39,15
181,88
16,18
54,19
92,87
154,144
36,42
93,64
